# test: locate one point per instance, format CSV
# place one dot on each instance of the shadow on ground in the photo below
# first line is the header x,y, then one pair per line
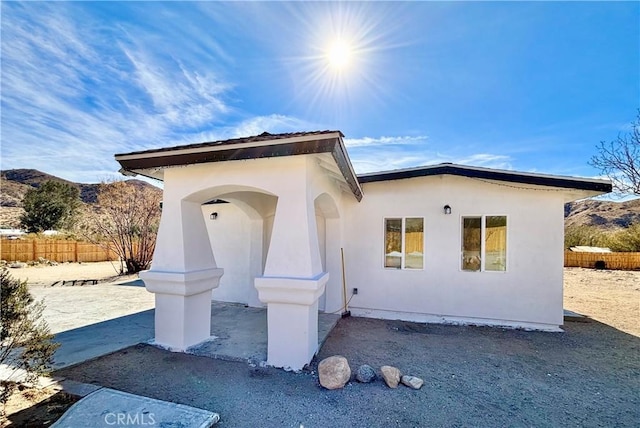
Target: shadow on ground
x,y
474,376
239,333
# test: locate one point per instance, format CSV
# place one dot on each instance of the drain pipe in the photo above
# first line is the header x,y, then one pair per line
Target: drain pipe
x,y
346,312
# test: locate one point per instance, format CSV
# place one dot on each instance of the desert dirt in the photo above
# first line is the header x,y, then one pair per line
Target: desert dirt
x,y
609,296
477,376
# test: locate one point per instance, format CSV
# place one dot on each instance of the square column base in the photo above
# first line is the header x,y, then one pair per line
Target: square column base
x,y
183,305
292,318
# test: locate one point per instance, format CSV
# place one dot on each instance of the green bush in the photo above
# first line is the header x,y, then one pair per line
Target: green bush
x,y
585,235
626,239
26,342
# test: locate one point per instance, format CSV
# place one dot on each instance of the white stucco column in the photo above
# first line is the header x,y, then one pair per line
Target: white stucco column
x,y
182,276
292,283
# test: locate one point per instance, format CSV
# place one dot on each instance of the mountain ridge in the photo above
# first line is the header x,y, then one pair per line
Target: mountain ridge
x,y
605,215
35,178
14,183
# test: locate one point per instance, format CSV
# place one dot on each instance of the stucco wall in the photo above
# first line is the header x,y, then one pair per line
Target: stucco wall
x,y
232,241
528,294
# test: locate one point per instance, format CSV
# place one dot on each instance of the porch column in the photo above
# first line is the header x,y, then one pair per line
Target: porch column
x,y
292,283
182,276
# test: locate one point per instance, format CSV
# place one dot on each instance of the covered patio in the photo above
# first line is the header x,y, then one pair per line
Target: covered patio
x,y
290,190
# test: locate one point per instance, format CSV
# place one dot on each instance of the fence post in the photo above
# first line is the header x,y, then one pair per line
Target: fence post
x,y
34,247
75,252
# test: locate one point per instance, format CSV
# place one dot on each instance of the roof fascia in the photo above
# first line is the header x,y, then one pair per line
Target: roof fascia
x,y
301,145
222,146
492,174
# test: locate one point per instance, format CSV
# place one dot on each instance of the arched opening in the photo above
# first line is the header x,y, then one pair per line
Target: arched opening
x,y
239,227
238,221
328,229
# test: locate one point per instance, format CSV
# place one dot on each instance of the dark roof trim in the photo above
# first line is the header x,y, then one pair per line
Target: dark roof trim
x,y
255,140
490,174
262,146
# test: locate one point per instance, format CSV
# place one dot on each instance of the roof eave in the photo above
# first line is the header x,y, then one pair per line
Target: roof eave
x,y
328,142
589,185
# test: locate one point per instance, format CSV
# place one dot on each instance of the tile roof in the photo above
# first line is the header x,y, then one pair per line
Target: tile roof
x,y
265,136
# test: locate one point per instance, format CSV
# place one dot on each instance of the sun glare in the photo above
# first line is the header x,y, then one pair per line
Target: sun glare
x,y
339,55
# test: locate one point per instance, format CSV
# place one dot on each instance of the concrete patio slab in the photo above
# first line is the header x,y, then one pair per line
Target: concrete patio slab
x,y
238,333
108,407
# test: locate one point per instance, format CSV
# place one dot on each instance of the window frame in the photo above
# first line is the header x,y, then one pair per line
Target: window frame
x,y
402,242
483,257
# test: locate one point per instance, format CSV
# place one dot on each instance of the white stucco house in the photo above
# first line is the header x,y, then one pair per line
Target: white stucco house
x,y
283,221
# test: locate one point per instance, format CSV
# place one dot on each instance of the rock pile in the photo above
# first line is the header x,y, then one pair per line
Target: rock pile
x,y
334,373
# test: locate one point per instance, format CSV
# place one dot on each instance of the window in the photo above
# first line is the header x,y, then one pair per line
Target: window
x,y
404,243
484,243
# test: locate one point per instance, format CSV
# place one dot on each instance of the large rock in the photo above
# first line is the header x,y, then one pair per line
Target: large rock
x,y
334,372
391,376
412,382
365,374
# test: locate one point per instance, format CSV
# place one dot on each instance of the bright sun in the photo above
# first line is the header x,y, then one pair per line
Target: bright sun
x,y
339,55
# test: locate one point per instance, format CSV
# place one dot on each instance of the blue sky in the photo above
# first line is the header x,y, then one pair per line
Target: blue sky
x,y
529,86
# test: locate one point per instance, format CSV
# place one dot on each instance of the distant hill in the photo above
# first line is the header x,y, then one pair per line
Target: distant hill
x,y
34,178
11,193
14,183
606,215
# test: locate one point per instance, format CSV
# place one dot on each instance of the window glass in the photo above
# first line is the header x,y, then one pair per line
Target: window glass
x,y
495,243
471,243
393,243
414,243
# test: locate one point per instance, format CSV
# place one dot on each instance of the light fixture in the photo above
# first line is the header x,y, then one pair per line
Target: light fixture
x,y
213,216
447,209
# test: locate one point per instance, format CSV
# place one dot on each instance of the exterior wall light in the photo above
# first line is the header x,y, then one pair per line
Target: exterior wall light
x,y
447,209
213,216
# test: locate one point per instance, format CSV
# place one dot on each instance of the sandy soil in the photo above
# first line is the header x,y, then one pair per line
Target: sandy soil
x,y
47,275
609,296
587,376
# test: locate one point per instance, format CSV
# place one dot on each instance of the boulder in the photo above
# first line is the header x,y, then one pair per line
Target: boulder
x,y
391,376
334,372
365,374
412,382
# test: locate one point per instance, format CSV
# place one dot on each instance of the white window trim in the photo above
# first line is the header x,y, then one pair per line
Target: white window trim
x,y
402,245
483,258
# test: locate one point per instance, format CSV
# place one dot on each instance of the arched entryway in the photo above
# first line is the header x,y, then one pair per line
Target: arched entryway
x,y
290,246
328,229
239,226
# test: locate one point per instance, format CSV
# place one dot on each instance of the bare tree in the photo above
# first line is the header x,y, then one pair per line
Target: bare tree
x,y
620,160
126,220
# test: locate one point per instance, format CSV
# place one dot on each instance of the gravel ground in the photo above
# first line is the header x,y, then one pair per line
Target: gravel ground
x,y
474,376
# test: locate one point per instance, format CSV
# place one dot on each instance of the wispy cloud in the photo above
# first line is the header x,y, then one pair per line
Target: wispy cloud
x,y
384,141
74,91
487,160
371,154
274,123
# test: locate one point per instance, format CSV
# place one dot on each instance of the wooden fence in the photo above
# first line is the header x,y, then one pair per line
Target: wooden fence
x,y
619,261
57,250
